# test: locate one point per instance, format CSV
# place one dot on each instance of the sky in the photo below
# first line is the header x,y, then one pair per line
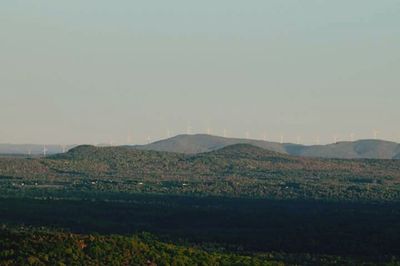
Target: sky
x,y
98,71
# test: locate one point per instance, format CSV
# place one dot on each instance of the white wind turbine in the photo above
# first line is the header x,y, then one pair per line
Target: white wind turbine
x,y
352,137
44,150
318,140
281,139
375,132
189,129
264,136
129,139
335,139
148,139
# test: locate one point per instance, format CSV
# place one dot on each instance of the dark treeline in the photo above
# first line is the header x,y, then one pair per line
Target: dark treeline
x,y
347,229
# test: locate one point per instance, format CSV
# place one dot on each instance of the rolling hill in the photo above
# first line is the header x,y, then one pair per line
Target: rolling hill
x,y
361,149
236,170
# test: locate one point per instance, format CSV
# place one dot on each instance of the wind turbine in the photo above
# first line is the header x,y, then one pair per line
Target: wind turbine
x,y
376,132
352,137
298,140
129,139
264,136
148,139
247,135
44,150
282,139
225,133
318,140
189,129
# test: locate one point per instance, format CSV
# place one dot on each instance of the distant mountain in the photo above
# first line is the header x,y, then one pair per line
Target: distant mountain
x,y
370,149
192,144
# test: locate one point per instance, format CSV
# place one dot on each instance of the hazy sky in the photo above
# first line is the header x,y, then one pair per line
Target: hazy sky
x,y
93,71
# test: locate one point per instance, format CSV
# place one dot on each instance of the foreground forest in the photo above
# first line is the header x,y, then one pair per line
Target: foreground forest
x,y
40,246
240,205
21,246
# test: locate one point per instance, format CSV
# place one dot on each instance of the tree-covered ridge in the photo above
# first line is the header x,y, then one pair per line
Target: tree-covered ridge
x,y
40,246
237,170
28,246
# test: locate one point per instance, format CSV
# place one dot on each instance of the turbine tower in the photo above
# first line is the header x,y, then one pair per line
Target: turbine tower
x,y
376,132
335,139
44,150
352,137
318,140
247,135
129,139
189,129
264,136
225,133
282,139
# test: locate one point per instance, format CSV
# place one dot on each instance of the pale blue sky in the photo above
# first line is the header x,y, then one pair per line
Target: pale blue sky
x,y
94,71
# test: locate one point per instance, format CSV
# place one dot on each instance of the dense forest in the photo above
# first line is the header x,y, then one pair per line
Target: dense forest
x,y
240,205
234,171
41,246
30,246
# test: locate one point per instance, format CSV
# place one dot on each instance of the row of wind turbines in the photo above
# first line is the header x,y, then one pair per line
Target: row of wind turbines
x,y
247,135
225,133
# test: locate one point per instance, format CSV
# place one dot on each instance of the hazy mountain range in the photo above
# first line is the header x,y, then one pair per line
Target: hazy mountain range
x,y
193,144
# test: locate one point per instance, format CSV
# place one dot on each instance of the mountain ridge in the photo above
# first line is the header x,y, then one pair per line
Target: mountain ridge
x,y
200,143
360,149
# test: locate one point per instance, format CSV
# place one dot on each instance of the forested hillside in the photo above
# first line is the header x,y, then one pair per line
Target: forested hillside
x,y
240,205
239,170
